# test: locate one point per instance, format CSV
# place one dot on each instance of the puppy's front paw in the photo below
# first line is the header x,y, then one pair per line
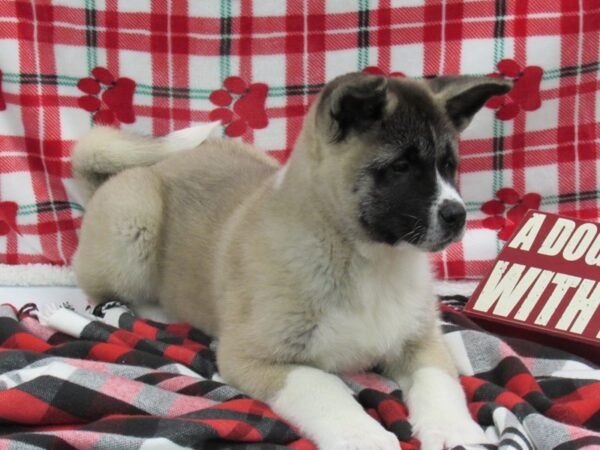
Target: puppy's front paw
x,y
368,435
448,432
438,411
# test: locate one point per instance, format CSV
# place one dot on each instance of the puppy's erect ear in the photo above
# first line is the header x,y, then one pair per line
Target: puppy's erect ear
x,y
353,102
463,96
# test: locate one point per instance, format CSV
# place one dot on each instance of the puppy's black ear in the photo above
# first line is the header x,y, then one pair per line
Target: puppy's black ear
x,y
463,96
352,103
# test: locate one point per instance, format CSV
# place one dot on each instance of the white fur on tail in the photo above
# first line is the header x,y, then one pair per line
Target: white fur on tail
x,y
191,137
105,151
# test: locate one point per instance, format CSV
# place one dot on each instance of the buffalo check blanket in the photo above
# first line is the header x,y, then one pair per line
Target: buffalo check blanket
x,y
256,65
113,381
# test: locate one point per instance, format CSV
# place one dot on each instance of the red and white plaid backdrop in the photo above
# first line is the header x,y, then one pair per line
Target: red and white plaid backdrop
x,y
160,66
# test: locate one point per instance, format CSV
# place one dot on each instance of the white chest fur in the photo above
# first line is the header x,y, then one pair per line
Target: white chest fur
x,y
391,302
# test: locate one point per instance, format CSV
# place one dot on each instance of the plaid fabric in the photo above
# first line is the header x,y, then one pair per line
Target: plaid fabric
x,y
255,65
128,383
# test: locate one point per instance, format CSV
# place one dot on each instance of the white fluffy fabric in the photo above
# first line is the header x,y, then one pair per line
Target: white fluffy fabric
x,y
44,284
36,275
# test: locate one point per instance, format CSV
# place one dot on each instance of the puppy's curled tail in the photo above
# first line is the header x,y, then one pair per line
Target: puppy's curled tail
x,y
106,151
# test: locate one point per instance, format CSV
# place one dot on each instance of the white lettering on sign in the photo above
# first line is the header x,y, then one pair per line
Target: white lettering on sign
x,y
573,242
563,283
557,238
505,288
528,232
592,257
583,305
580,241
534,295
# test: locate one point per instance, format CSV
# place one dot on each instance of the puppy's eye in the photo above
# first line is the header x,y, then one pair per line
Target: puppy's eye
x,y
449,165
448,162
400,166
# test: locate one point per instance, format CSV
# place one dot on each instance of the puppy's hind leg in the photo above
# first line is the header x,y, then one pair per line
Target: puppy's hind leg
x,y
319,403
117,258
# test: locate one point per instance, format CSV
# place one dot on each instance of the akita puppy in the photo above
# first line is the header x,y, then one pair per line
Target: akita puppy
x,y
303,271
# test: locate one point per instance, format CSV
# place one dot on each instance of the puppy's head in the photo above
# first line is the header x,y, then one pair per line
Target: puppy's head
x,y
386,154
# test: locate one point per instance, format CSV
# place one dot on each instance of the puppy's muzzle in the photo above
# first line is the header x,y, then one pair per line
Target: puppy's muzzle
x,y
452,216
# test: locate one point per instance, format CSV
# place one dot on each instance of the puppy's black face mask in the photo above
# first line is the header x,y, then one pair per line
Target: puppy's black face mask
x,y
405,183
413,175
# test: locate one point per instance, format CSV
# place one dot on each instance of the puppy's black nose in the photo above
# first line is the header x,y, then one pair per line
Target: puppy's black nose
x,y
452,214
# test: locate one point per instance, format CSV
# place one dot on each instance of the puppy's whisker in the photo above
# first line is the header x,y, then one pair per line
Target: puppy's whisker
x,y
411,216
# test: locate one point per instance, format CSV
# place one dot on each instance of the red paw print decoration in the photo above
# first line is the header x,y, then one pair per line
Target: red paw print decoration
x,y
507,210
110,99
240,106
525,94
374,70
8,217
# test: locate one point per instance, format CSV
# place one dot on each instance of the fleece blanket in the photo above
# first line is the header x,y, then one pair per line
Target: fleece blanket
x,y
110,380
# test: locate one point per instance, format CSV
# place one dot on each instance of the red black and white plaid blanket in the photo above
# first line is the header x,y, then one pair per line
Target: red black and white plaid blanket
x,y
126,383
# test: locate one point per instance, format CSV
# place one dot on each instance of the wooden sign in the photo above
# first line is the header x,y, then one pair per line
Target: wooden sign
x,y
545,285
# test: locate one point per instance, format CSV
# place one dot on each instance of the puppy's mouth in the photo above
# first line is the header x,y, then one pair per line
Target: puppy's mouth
x,y
425,238
437,244
378,232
